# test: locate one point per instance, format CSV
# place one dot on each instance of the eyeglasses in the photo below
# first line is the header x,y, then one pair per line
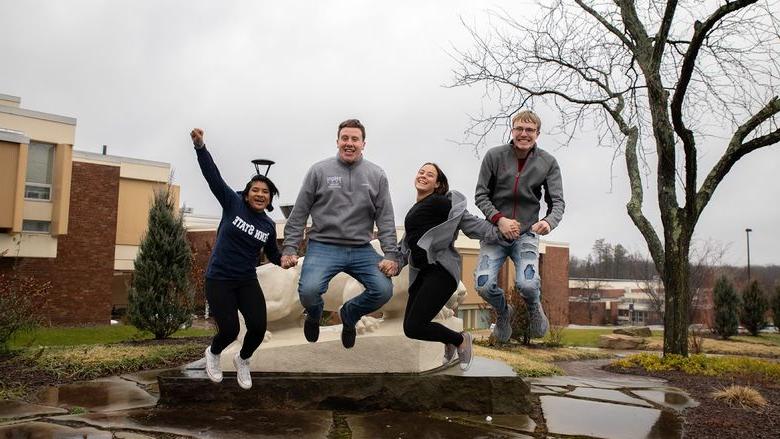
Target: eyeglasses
x,y
524,130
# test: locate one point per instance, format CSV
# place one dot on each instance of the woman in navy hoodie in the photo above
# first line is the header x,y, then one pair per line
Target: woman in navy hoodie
x,y
231,280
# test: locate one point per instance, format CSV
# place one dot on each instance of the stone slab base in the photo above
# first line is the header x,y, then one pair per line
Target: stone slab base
x,y
448,390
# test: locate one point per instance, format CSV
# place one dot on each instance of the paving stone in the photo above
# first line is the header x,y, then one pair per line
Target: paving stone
x,y
510,422
578,417
211,423
103,395
607,395
669,397
394,425
20,409
44,430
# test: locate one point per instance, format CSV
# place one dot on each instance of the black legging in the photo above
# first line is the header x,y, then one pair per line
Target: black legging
x,y
226,298
432,288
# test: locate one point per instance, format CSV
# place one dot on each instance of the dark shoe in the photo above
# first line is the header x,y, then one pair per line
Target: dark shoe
x,y
503,330
311,329
538,321
348,333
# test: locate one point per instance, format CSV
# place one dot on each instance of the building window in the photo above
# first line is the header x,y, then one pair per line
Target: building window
x,y
40,160
35,226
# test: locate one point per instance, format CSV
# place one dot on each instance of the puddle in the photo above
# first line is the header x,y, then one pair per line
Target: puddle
x,y
610,421
674,399
145,378
43,430
19,409
607,395
108,394
599,383
214,423
393,425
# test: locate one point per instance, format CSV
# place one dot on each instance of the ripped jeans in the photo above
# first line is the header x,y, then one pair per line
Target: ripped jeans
x,y
524,253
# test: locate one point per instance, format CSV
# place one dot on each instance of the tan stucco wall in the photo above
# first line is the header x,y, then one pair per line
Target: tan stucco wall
x,y
135,199
29,245
9,157
39,129
63,168
21,175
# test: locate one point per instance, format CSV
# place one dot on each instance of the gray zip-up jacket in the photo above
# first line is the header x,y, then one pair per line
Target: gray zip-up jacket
x,y
439,241
344,201
502,190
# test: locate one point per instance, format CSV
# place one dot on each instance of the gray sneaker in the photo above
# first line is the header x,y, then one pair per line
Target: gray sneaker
x,y
538,323
243,376
503,330
449,353
213,369
464,353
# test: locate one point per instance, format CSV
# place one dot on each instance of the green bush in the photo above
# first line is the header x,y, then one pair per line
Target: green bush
x,y
160,299
754,307
726,308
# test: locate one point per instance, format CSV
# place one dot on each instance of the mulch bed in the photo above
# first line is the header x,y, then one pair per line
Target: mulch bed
x,y
716,419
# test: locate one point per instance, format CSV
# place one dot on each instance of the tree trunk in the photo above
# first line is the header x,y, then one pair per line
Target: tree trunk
x,y
677,291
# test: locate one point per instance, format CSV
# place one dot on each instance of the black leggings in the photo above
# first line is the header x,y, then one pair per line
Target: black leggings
x,y
226,297
432,288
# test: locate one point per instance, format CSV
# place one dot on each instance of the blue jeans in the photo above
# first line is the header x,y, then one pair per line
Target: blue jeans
x,y
524,252
323,261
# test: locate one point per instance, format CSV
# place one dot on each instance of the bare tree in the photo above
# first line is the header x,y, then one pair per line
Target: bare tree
x,y
652,77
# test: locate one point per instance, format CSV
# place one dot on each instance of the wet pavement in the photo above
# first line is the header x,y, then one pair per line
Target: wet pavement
x,y
592,404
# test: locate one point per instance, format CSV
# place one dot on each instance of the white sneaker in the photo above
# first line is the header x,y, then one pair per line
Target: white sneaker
x,y
449,353
243,376
213,369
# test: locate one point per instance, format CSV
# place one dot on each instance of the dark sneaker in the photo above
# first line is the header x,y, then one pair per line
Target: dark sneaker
x,y
503,330
538,323
243,376
449,353
348,333
311,329
213,369
464,352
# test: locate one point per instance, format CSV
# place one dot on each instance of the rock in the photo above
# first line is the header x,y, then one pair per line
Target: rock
x,y
634,331
619,341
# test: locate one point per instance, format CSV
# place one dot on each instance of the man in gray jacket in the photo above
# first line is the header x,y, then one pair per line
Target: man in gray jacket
x,y
509,188
345,196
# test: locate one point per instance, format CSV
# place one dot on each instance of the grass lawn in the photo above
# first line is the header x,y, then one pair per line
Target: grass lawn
x,y
91,335
536,361
589,337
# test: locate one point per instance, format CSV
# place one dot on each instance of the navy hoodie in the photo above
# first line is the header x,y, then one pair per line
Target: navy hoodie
x,y
242,233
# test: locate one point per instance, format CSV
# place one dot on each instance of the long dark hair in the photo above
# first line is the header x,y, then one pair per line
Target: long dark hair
x,y
444,186
271,188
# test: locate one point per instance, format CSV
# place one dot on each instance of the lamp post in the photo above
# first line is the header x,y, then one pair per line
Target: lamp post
x,y
747,236
262,162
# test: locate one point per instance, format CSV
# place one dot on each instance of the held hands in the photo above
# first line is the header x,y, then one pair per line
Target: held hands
x,y
388,268
197,137
541,228
289,261
509,228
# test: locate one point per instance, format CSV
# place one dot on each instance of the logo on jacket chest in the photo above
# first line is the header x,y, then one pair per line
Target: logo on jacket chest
x,y
250,230
334,181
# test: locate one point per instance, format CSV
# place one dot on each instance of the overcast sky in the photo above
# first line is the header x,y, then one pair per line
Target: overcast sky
x,y
273,80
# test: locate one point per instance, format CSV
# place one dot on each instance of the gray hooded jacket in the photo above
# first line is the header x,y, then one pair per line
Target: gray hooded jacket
x,y
501,190
439,241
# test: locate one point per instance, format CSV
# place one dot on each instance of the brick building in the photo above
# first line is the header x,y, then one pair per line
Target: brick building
x,y
71,218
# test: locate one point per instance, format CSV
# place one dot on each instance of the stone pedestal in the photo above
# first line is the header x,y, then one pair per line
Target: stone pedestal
x,y
488,387
385,349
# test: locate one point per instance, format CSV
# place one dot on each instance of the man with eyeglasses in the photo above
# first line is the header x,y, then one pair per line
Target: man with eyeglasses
x,y
345,196
509,189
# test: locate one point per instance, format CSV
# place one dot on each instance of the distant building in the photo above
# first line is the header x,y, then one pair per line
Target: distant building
x,y
72,218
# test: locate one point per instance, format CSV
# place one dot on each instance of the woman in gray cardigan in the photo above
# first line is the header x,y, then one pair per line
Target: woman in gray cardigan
x,y
432,226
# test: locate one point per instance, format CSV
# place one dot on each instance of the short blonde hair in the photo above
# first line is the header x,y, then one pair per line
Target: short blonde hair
x,y
528,116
